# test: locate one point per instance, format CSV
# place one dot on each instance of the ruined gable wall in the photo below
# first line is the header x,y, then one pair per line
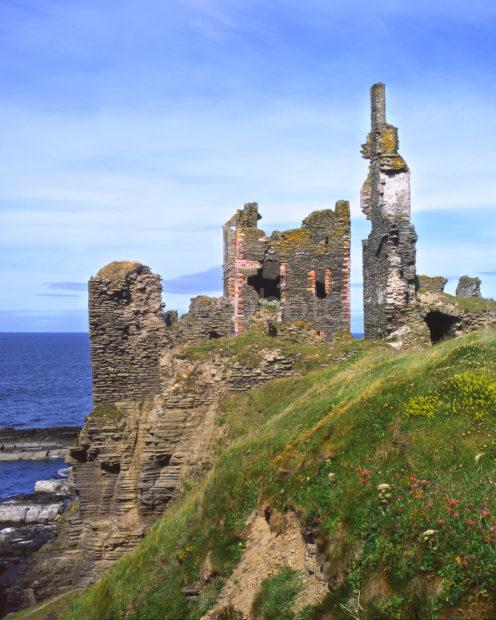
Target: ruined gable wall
x,y
389,251
127,331
315,262
244,249
307,269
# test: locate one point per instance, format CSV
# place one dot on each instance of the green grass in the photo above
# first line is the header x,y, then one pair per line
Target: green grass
x,y
321,444
473,304
50,609
277,594
107,410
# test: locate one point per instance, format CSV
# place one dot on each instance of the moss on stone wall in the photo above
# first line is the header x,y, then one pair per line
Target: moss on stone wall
x,y
119,270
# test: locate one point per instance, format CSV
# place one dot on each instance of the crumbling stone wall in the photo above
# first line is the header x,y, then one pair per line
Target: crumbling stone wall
x,y
207,318
468,287
389,251
306,270
127,332
435,284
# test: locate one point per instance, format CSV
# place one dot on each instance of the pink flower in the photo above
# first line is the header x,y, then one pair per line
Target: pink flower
x,y
455,515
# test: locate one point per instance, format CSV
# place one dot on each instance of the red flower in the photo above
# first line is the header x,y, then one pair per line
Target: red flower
x,y
455,515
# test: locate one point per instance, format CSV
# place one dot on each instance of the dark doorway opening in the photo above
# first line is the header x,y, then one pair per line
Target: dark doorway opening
x,y
440,325
267,288
212,334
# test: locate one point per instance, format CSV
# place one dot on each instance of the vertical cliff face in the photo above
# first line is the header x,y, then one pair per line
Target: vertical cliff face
x,y
153,425
389,251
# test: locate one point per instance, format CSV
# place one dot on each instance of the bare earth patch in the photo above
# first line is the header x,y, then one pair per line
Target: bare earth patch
x,y
271,544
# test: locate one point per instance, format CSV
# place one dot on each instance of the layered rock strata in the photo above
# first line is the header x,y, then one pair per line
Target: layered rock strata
x,y
36,443
26,523
143,439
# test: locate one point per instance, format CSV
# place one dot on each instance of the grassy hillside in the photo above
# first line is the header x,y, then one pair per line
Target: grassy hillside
x,y
389,457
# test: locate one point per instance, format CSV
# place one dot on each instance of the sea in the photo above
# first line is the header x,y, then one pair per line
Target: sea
x,y
45,380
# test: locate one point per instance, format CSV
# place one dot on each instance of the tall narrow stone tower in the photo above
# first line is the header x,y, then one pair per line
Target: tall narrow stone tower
x,y
389,251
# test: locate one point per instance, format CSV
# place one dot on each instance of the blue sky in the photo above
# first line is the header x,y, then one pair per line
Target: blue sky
x,y
133,130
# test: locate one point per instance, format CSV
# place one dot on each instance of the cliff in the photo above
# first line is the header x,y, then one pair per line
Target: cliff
x,y
362,486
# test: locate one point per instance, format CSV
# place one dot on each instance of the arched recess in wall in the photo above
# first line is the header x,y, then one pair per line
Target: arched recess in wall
x,y
319,282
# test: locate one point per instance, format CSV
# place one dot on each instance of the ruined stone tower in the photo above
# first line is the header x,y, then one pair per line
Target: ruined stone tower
x,y
389,251
305,272
127,329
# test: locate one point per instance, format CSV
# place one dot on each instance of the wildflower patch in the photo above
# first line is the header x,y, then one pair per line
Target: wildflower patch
x,y
468,393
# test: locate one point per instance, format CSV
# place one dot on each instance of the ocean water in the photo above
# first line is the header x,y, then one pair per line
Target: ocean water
x,y
45,380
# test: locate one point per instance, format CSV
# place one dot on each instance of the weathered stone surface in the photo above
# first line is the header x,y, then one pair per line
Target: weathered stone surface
x,y
128,330
435,284
207,318
437,316
389,251
26,523
307,270
468,287
36,443
129,463
54,486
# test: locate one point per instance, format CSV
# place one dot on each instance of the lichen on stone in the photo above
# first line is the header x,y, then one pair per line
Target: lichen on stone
x,y
119,270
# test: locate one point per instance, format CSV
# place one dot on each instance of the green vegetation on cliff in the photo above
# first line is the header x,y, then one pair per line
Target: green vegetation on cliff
x,y
390,457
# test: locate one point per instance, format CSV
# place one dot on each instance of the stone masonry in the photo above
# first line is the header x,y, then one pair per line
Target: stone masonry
x,y
127,331
389,252
304,272
468,287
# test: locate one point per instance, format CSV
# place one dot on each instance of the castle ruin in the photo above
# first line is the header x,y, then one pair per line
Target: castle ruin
x,y
305,270
155,420
389,252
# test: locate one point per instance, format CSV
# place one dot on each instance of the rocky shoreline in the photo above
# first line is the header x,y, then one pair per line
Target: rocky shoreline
x,y
36,443
29,521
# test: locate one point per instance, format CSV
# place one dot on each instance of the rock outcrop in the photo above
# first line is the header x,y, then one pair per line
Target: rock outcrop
x,y
26,523
36,443
146,434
